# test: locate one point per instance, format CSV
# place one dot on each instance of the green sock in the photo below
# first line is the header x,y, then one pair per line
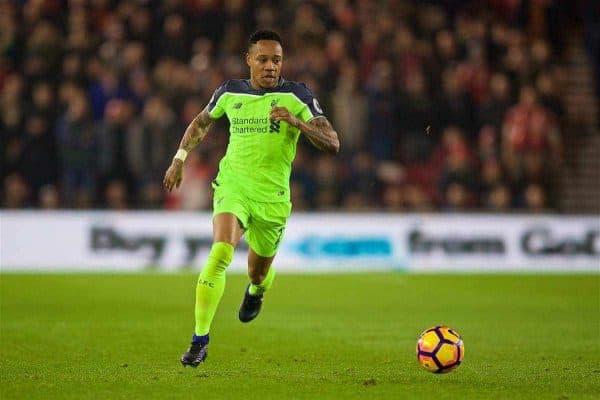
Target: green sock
x,y
257,290
211,284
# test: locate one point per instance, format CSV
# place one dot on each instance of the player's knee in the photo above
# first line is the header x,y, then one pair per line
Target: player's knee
x,y
223,251
219,258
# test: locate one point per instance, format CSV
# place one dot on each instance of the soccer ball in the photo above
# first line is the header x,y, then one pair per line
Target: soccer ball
x,y
440,349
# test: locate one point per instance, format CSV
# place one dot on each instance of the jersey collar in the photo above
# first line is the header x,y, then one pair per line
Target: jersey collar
x,y
263,91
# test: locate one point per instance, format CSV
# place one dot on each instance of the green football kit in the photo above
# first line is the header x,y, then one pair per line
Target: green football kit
x,y
253,181
254,174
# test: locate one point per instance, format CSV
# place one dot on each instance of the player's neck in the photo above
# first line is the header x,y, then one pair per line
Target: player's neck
x,y
254,84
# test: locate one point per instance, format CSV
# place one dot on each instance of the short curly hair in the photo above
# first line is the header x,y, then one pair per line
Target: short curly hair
x,y
263,35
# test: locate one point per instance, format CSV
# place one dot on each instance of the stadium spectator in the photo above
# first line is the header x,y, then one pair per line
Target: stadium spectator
x,y
417,199
37,159
382,120
491,177
112,139
535,198
148,142
49,197
454,104
456,197
77,142
492,110
393,198
303,180
349,107
498,199
116,195
16,192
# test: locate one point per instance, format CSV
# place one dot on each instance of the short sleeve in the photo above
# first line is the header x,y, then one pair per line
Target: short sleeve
x,y
216,108
311,108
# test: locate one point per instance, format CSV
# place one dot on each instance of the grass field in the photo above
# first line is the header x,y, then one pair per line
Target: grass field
x,y
318,337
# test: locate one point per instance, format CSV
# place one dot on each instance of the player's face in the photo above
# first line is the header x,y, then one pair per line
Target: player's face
x,y
265,59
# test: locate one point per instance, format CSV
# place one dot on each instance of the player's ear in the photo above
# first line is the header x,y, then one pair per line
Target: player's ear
x,y
248,59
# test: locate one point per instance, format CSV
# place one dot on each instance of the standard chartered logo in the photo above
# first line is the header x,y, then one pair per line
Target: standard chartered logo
x,y
253,125
248,121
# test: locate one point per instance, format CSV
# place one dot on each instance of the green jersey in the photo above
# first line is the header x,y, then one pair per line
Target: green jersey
x,y
258,161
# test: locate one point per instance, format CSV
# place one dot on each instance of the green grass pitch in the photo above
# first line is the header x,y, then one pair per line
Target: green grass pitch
x,y
73,336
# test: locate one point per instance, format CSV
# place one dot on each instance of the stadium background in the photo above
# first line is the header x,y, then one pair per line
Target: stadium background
x,y
96,95
469,142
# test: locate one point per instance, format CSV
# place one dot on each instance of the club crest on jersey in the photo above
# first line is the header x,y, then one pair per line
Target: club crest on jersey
x,y
274,102
275,126
237,106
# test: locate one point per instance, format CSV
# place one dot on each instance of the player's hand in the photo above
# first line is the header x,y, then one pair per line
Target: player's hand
x,y
174,175
283,114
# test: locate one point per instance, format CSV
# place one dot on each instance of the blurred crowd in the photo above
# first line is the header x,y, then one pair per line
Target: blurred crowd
x,y
440,105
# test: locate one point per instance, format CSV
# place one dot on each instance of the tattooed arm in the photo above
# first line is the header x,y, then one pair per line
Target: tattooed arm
x,y
319,130
321,134
194,133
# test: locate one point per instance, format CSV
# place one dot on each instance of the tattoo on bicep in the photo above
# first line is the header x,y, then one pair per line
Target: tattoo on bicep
x,y
321,122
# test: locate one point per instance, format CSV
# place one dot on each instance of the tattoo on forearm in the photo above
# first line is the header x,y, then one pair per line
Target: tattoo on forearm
x,y
196,131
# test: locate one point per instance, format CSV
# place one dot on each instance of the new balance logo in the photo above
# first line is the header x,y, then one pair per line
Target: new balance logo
x,y
237,106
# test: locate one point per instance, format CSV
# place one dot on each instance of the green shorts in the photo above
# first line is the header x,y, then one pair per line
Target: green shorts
x,y
263,223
